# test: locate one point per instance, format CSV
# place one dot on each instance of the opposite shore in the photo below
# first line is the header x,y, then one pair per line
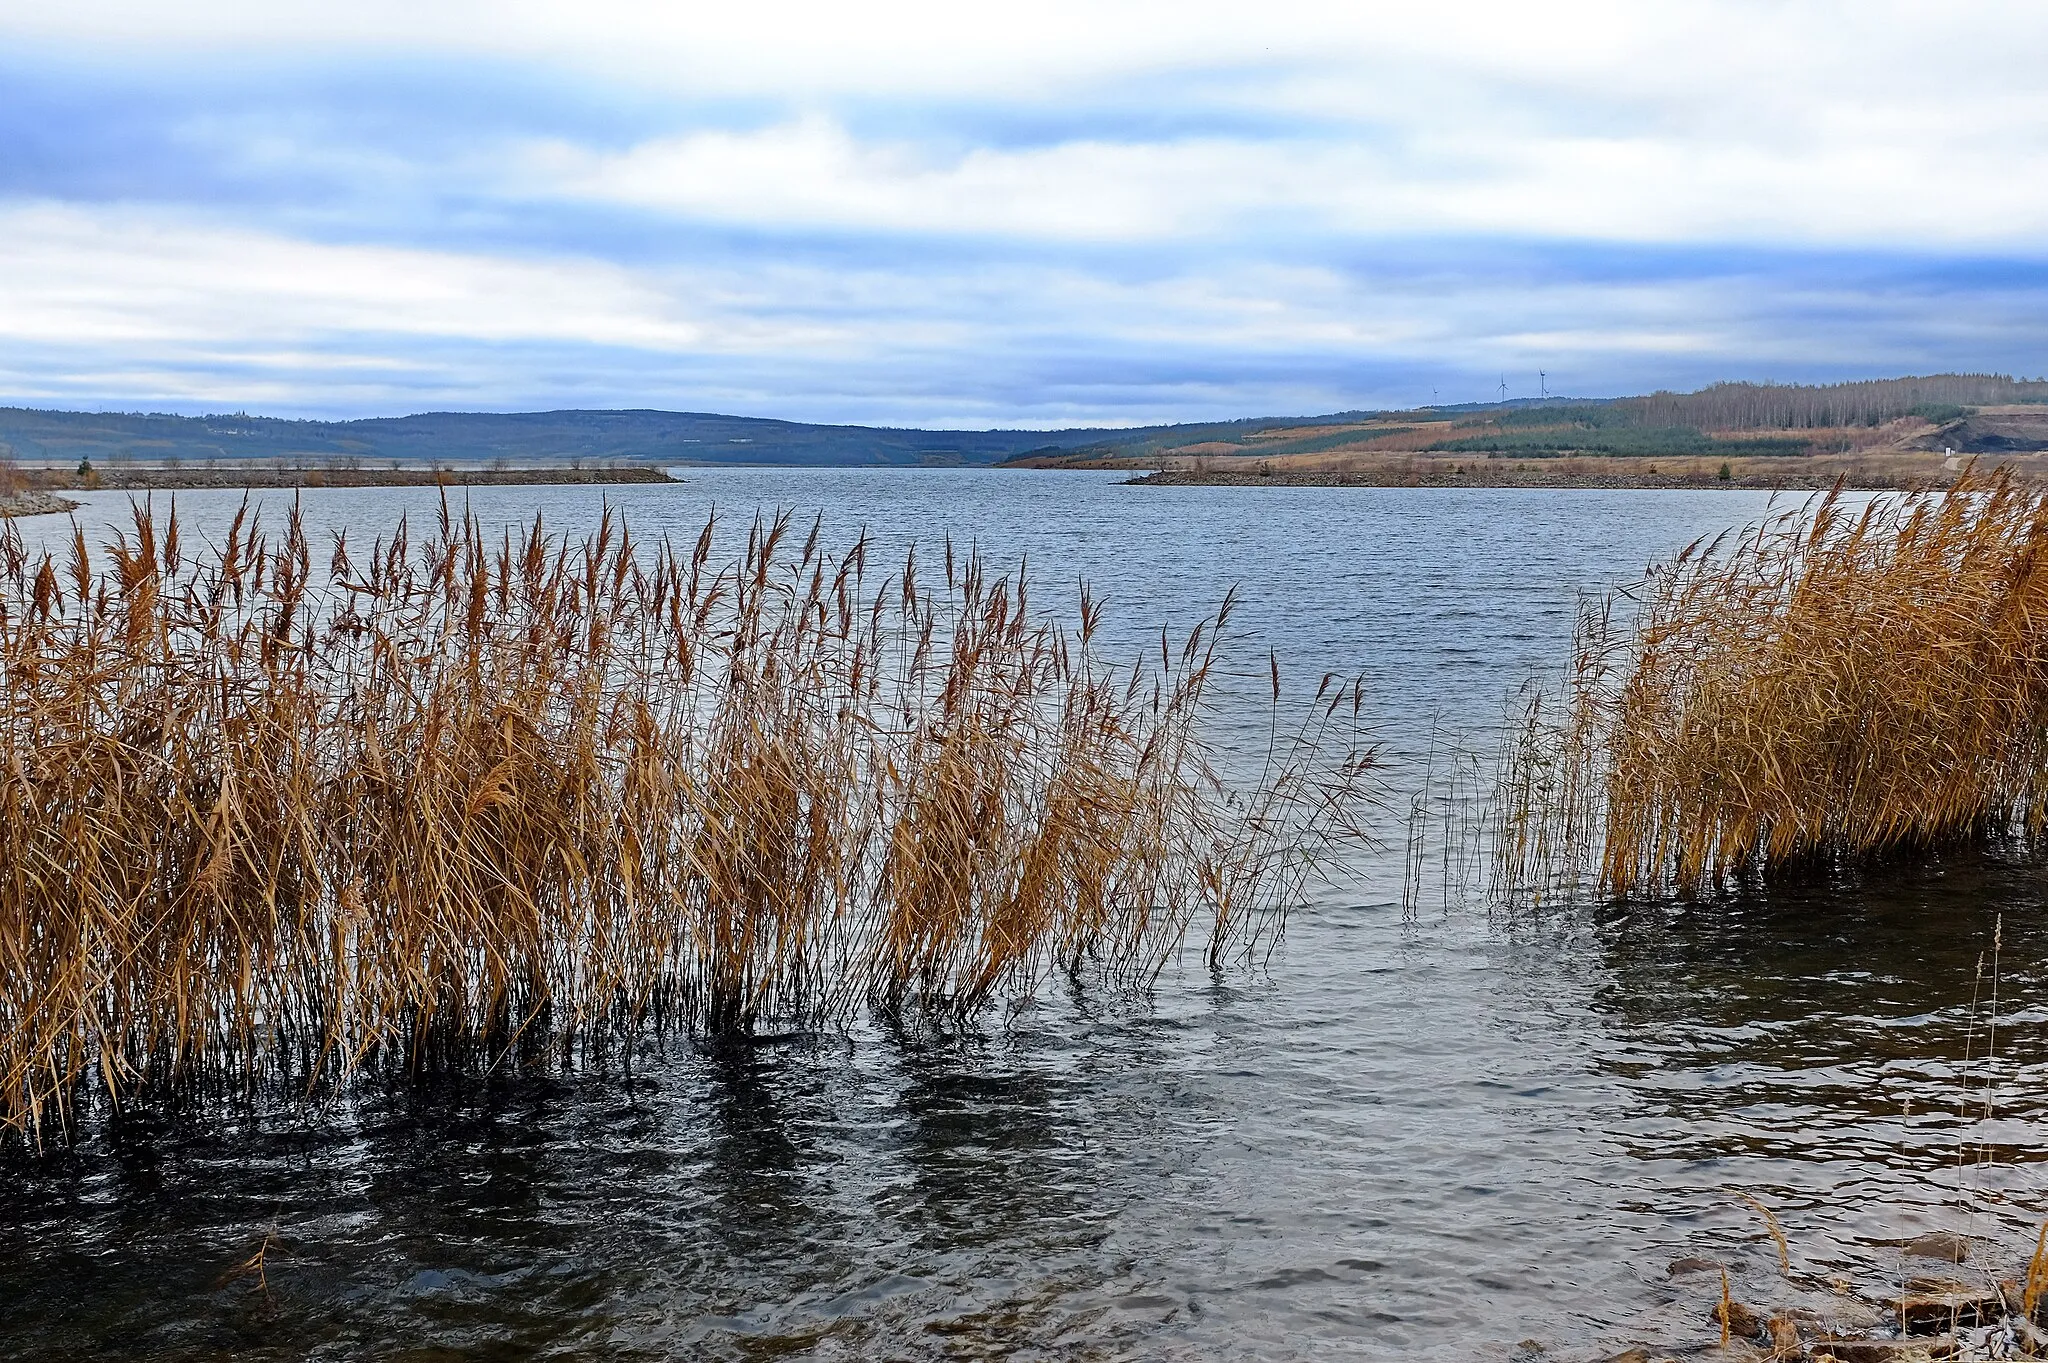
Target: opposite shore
x,y
35,491
1480,476
1889,472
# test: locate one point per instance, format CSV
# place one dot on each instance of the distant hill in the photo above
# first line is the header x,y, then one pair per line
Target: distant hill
x,y
32,436
1965,413
1795,416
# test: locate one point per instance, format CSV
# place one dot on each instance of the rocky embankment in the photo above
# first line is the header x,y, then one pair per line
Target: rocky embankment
x,y
34,504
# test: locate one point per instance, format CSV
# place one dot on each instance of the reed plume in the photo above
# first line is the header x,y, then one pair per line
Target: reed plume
x,y
1832,684
267,822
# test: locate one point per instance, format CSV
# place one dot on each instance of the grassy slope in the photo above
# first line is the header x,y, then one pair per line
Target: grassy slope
x,y
1632,441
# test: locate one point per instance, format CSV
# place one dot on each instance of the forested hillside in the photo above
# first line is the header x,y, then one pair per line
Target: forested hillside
x,y
1772,406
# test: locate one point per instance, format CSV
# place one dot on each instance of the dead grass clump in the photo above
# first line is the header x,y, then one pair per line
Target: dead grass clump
x,y
263,822
1832,685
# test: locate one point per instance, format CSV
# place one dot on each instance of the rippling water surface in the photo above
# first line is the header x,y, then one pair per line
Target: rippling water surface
x,y
1412,1139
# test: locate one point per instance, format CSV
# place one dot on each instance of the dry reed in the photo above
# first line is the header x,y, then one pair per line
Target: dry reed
x,y
2036,1282
1832,685
262,824
1777,1232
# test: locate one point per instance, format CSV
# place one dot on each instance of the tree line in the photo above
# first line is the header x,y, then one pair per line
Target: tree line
x,y
1791,406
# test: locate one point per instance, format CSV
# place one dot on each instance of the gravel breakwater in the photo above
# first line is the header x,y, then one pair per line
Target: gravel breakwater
x,y
35,504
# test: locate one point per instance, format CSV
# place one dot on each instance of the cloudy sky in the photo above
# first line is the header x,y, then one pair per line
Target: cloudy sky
x,y
1039,215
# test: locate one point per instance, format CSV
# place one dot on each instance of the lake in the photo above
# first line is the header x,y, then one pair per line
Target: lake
x,y
1432,1135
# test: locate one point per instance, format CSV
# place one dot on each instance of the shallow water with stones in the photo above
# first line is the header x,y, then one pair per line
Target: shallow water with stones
x,y
1430,1135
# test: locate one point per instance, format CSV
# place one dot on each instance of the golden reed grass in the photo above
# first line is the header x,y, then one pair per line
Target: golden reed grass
x,y
262,822
1833,684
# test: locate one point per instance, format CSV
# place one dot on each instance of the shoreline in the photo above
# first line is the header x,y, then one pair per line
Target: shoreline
x,y
1546,480
140,478
35,504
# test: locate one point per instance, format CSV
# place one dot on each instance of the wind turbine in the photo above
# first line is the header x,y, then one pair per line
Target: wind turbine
x,y
1503,388
1544,380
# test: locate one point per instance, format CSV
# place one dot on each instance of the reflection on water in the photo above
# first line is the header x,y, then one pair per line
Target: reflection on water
x,y
864,1194
1856,996
1853,1045
1406,1139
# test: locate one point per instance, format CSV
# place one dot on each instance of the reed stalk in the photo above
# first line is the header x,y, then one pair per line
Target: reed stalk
x,y
1831,685
440,803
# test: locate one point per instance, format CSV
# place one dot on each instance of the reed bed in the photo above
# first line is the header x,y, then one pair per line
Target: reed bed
x,y
267,826
1831,685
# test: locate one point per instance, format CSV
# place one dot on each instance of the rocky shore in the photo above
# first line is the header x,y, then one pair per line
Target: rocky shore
x,y
34,504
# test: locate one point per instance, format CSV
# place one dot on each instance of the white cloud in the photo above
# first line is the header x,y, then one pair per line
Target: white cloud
x,y
1535,183
1753,121
116,304
116,276
812,173
1203,183
110,276
1738,57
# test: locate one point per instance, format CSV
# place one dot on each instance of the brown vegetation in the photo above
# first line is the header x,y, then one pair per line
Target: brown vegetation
x,y
459,801
19,498
1835,684
1863,470
1773,428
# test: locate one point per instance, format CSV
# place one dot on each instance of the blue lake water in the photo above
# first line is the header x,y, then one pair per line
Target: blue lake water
x,y
1430,1137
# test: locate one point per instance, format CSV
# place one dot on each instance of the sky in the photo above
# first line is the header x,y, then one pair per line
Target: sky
x,y
1008,215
